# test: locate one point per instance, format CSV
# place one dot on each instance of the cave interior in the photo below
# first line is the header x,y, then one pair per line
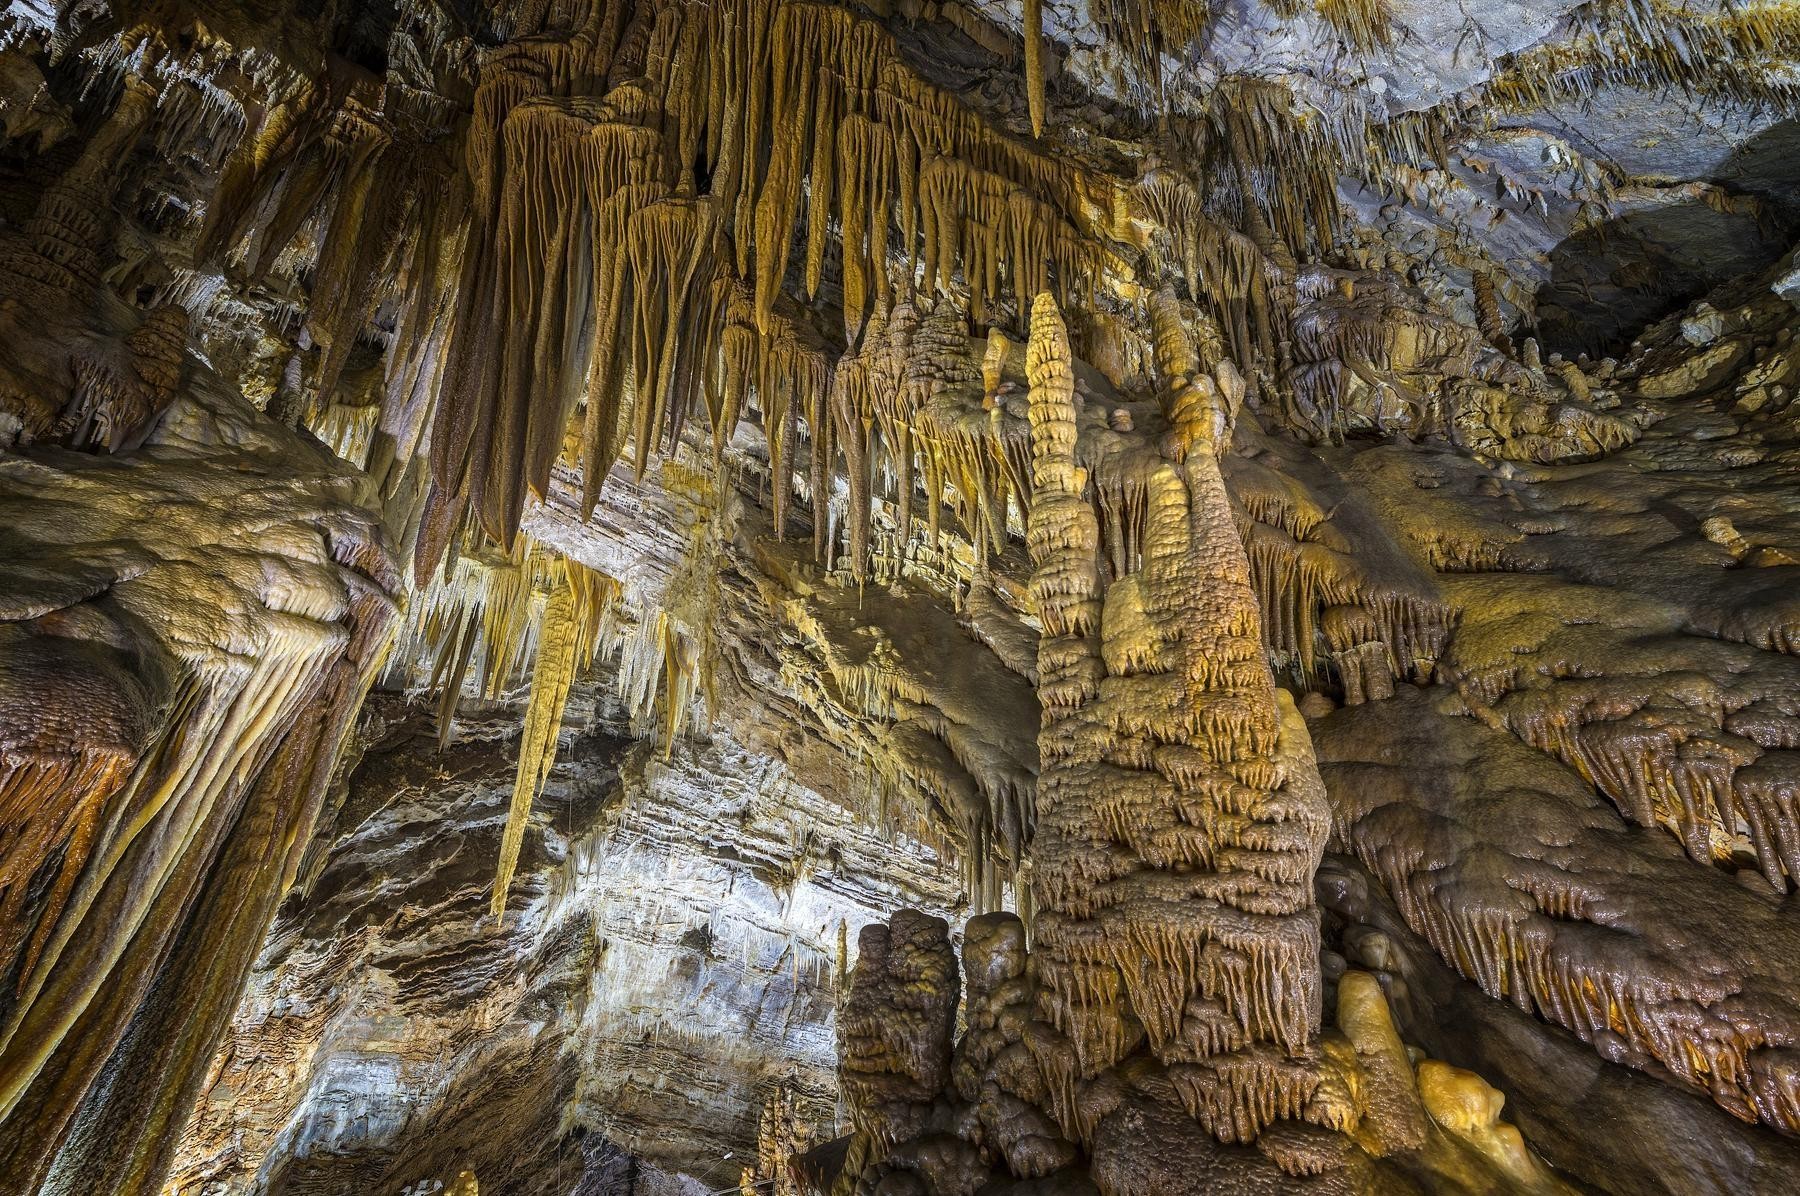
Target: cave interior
x,y
899,598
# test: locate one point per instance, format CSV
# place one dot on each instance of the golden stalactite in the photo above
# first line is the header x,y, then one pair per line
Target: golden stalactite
x,y
567,635
561,159
866,206
806,109
794,380
1365,25
738,358
672,247
792,149
288,124
824,65
481,621
1034,64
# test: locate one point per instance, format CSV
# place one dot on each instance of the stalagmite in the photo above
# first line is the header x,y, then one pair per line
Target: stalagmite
x,y
894,1032
1131,942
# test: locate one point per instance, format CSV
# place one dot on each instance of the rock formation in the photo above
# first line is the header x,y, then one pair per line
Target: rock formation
x,y
899,598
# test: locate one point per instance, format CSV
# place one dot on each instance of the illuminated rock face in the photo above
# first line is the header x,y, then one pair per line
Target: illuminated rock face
x,y
649,985
1118,597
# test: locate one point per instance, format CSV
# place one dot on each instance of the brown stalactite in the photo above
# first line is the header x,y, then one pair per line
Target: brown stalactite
x,y
1034,63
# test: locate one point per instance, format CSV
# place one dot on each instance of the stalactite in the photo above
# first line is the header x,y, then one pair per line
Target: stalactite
x,y
1147,29
738,347
1639,45
795,377
364,227
839,136
976,219
564,169
866,199
1364,24
667,244
1034,63
482,623
556,658
1224,269
787,149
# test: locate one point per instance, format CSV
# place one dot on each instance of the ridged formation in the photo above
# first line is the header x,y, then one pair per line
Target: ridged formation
x,y
1180,816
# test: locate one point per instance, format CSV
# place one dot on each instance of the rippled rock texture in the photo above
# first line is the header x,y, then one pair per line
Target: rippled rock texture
x,y
670,959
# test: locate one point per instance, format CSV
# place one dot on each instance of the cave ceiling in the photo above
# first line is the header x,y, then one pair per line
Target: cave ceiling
x,y
1100,598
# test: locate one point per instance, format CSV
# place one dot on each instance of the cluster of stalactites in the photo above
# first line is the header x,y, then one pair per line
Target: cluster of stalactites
x,y
1271,163
1144,30
500,618
477,621
589,213
1733,52
855,132
346,164
1180,813
588,266
1245,291
913,398
610,243
1363,24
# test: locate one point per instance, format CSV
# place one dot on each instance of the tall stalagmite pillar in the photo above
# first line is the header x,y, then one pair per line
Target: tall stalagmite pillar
x,y
1181,817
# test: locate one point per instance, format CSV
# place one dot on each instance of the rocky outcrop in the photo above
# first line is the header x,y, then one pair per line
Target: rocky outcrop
x,y
648,987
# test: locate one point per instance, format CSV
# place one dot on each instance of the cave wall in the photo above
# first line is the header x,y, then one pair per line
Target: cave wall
x,y
672,957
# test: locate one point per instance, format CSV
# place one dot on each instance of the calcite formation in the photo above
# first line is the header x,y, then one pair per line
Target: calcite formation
x,y
899,598
1180,816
